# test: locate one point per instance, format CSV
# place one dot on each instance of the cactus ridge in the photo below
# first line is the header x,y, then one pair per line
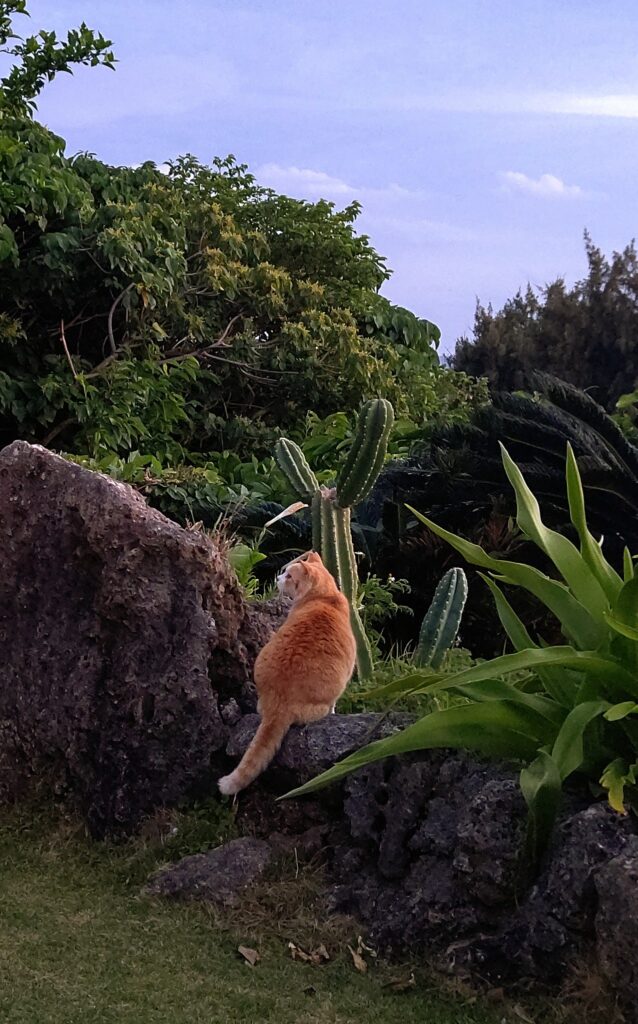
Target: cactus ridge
x,y
367,454
292,462
442,620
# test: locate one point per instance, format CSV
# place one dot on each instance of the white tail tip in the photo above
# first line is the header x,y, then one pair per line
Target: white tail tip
x,y
228,785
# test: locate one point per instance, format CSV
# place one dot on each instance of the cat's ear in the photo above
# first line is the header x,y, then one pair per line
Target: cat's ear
x,y
297,571
315,557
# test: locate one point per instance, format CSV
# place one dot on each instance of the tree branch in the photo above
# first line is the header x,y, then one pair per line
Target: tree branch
x,y
109,322
66,350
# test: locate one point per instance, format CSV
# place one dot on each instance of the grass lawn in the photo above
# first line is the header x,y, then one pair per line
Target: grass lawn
x,y
80,945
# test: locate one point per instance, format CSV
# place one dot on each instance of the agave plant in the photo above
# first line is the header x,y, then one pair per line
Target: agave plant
x,y
558,709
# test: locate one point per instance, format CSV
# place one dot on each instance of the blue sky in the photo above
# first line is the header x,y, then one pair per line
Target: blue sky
x,y
481,136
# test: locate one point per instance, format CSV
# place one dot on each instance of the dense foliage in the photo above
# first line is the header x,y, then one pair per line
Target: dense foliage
x,y
559,709
455,476
586,335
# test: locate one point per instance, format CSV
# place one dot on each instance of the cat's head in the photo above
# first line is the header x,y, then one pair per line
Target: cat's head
x,y
302,575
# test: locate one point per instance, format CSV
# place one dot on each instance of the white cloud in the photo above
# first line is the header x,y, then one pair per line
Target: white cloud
x,y
548,186
309,183
613,105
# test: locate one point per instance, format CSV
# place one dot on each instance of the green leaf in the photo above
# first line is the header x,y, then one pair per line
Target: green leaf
x,y
567,751
243,559
591,551
615,777
8,247
577,574
496,729
575,620
541,787
416,682
499,689
601,668
628,565
511,623
619,711
625,609
556,682
630,632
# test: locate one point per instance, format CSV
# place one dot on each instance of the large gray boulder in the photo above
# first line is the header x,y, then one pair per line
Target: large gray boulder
x,y
124,639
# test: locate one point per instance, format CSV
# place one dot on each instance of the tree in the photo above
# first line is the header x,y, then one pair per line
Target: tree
x,y
586,335
184,312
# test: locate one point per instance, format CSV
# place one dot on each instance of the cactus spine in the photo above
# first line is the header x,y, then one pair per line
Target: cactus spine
x,y
331,507
442,620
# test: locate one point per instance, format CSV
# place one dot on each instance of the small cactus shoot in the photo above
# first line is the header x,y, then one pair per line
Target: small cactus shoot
x,y
442,620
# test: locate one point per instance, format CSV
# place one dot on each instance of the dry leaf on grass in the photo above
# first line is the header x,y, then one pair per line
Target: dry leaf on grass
x,y
317,956
251,956
521,1014
358,960
401,984
357,955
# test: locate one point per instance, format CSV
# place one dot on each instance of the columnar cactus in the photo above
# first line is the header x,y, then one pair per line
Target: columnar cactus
x,y
442,620
331,507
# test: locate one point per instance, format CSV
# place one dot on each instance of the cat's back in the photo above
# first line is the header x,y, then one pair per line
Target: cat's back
x,y
316,632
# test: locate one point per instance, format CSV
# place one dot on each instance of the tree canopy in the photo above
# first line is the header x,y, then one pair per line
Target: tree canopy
x,y
183,309
586,335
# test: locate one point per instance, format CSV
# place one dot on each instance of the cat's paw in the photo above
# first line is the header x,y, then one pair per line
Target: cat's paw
x,y
228,785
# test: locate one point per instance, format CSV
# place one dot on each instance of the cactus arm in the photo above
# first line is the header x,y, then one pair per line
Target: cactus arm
x,y
368,451
365,664
292,462
442,620
328,547
315,509
349,583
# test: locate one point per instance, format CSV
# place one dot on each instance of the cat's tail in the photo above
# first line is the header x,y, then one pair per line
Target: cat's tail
x,y
262,749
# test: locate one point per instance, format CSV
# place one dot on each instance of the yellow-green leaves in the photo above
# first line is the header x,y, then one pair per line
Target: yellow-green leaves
x,y
615,777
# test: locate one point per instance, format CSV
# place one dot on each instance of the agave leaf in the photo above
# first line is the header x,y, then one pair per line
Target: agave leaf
x,y
556,681
608,578
496,729
511,623
577,574
577,623
498,689
567,751
600,668
623,619
630,632
625,608
540,785
628,565
405,686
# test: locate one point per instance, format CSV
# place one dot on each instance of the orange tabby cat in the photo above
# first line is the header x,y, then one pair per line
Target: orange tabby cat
x,y
303,669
